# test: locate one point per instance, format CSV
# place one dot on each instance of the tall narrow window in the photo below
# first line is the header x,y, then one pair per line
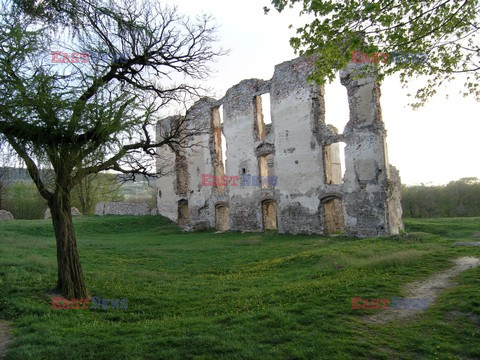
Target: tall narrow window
x,y
336,116
224,141
224,152
219,147
267,116
263,119
336,113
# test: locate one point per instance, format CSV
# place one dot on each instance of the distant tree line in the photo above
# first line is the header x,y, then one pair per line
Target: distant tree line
x,y
19,195
456,199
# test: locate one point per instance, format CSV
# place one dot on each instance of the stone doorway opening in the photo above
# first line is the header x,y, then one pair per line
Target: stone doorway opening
x,y
269,213
334,222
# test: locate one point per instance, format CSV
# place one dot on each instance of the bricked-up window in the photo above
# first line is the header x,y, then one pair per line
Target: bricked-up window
x,y
263,167
183,212
334,160
219,146
181,171
334,222
266,171
221,218
269,214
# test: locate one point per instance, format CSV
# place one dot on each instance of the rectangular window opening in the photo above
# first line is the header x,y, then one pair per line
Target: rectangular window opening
x,y
336,111
267,116
224,152
220,113
220,145
263,118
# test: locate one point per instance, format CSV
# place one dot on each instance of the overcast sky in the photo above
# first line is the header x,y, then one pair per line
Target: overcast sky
x,y
435,144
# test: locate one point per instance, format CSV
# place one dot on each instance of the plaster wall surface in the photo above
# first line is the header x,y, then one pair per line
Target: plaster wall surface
x,y
167,196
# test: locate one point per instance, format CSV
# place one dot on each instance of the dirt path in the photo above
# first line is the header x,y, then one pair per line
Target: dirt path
x,y
428,289
4,337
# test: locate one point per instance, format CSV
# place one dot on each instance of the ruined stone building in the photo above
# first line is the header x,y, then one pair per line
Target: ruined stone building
x,y
298,148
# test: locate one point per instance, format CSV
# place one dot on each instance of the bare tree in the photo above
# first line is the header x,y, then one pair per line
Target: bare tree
x,y
87,114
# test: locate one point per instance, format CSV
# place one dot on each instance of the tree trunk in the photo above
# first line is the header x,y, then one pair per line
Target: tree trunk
x,y
70,276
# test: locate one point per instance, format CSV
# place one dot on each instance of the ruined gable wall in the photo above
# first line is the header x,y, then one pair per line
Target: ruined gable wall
x,y
167,199
199,161
299,148
298,157
367,170
240,135
184,167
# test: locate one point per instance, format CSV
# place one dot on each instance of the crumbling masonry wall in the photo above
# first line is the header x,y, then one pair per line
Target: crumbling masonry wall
x,y
116,208
298,147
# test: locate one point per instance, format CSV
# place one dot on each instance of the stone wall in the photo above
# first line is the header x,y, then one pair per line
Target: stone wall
x,y
299,148
117,208
74,211
5,215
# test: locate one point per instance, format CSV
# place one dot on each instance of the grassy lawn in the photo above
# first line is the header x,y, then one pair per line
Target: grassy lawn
x,y
236,296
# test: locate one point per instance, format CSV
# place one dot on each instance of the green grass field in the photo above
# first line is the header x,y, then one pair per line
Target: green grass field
x,y
236,296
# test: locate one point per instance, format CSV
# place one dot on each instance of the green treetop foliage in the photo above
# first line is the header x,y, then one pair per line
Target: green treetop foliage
x,y
446,30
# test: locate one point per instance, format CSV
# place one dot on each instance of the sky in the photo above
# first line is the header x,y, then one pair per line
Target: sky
x,y
435,144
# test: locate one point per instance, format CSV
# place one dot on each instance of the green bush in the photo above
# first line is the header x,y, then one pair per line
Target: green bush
x,y
93,189
24,201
